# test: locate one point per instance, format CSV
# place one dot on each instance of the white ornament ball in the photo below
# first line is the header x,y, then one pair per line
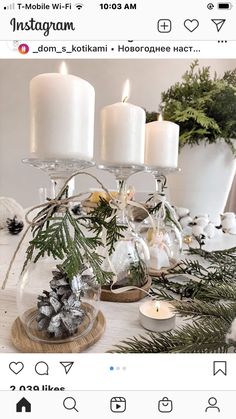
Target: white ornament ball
x,y
201,221
228,215
197,230
9,208
185,221
202,216
228,220
182,212
232,230
210,231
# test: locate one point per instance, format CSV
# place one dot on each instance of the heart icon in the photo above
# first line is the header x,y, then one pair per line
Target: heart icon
x,y
16,367
191,25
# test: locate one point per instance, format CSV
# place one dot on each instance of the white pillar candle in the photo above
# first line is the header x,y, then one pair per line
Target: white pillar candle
x,y
122,133
162,144
62,117
157,316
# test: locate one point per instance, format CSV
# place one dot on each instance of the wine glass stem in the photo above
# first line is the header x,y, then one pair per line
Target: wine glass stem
x,y
122,190
59,182
160,181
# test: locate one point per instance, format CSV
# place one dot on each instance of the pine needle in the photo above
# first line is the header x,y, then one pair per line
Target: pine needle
x,y
206,300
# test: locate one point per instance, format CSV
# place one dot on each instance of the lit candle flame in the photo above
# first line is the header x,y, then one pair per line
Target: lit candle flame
x,y
63,68
126,91
157,305
160,117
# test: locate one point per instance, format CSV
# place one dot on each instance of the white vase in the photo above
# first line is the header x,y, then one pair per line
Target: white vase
x,y
205,180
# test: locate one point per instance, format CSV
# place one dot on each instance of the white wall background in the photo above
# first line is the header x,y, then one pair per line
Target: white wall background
x,y
148,79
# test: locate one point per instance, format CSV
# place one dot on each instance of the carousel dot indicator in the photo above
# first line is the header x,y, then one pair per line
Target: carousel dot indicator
x,y
111,368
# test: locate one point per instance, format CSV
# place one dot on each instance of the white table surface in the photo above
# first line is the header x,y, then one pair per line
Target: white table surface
x,y
121,318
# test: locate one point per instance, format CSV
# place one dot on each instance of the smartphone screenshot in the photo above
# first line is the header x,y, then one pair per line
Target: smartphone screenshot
x,y
117,209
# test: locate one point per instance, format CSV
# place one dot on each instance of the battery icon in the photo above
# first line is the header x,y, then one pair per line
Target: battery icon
x,y
225,6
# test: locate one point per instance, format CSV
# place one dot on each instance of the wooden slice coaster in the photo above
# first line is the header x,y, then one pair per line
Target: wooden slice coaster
x,y
165,271
153,272
23,343
126,296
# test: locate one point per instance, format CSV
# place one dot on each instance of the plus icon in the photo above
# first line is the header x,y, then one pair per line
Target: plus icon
x,y
164,25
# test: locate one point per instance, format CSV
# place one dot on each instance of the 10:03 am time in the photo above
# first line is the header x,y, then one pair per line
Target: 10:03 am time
x,y
118,6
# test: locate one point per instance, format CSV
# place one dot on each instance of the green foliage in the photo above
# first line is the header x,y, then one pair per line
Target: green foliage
x,y
104,217
168,220
63,238
210,283
203,106
206,299
74,240
138,272
151,116
196,338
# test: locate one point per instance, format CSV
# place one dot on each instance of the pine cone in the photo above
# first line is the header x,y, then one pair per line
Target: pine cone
x,y
14,226
59,310
77,209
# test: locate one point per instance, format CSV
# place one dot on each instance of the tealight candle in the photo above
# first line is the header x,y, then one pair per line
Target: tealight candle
x,y
161,144
62,116
157,316
122,133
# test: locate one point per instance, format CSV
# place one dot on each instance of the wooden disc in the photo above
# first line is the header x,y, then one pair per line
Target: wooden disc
x,y
126,296
165,271
153,272
23,343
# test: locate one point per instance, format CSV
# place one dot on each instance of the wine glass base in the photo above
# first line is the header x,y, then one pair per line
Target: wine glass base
x,y
156,170
122,171
59,167
59,170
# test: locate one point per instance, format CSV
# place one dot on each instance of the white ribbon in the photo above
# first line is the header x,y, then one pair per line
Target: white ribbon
x,y
166,205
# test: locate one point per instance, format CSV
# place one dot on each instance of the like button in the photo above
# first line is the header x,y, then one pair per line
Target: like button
x,y
16,367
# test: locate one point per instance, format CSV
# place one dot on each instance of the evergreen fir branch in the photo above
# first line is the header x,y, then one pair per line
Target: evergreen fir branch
x,y
221,263
217,272
151,116
88,247
162,294
156,208
201,310
138,273
199,116
29,255
51,241
99,219
209,310
208,285
207,337
165,287
114,233
103,277
222,292
102,211
190,267
53,238
219,256
203,106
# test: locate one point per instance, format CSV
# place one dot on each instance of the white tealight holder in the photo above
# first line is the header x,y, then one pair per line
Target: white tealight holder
x,y
157,316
